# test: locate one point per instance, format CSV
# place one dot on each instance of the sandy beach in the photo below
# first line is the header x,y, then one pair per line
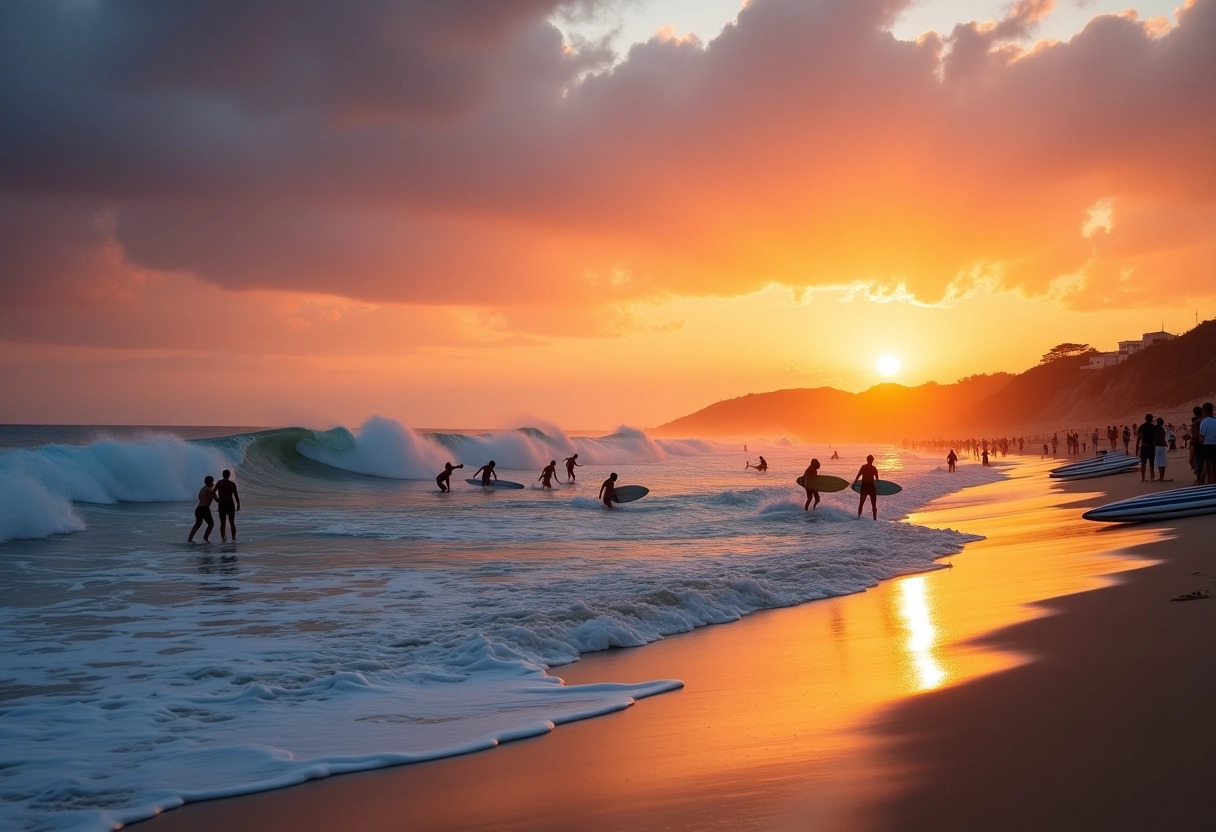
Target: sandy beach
x,y
1044,681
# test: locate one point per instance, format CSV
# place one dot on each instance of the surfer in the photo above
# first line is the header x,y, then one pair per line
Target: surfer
x,y
951,459
202,512
228,501
485,472
547,474
834,455
571,464
760,466
444,480
812,470
868,474
608,490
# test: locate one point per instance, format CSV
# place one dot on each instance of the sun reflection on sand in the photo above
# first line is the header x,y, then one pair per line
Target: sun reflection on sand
x,y
914,609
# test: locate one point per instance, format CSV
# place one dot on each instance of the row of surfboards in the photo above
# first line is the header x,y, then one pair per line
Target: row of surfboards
x,y
827,485
624,493
1161,505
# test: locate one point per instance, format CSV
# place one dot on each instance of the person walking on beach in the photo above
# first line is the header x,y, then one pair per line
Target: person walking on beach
x,y
571,464
444,480
811,472
1160,448
485,472
202,512
1145,444
608,490
951,460
868,475
547,474
228,501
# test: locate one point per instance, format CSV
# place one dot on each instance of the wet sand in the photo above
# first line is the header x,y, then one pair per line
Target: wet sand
x,y
957,699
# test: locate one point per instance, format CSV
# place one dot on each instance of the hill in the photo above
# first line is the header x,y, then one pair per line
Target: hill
x,y
1167,378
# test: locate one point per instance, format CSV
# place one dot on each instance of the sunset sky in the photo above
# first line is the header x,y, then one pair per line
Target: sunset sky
x,y
495,212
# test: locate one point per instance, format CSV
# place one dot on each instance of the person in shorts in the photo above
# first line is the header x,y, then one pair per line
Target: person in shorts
x,y
202,512
228,502
1146,445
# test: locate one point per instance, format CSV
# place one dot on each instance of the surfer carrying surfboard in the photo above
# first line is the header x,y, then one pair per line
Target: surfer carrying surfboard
x,y
812,470
444,480
485,472
868,474
608,490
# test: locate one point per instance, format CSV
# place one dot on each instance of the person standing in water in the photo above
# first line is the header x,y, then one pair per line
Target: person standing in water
x,y
444,480
485,472
202,512
760,466
608,490
868,475
812,471
571,464
547,474
228,502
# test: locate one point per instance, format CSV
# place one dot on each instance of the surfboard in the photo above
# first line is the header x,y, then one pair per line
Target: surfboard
x,y
629,493
824,483
1163,505
885,488
1112,458
497,483
1118,465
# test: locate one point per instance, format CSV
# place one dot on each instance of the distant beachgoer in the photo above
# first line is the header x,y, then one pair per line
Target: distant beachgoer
x,y
1195,457
1044,450
608,490
1207,430
547,474
868,475
444,480
202,512
485,472
984,457
1145,444
571,464
228,502
1127,439
760,466
951,459
812,470
1160,448
834,455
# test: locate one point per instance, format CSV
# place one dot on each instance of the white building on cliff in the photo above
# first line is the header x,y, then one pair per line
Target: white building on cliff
x,y
1101,360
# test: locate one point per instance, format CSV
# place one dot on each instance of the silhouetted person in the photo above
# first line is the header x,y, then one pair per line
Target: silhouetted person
x,y
984,457
1145,435
951,459
444,480
485,472
760,466
1207,430
834,455
868,475
1160,449
228,501
571,464
202,512
608,490
547,474
812,471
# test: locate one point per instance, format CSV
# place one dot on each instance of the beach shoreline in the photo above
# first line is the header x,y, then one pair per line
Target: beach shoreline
x,y
831,714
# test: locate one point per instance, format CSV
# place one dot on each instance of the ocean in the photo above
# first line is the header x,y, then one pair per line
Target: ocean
x,y
364,619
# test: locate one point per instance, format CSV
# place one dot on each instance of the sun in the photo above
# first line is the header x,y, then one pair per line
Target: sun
x,y
888,364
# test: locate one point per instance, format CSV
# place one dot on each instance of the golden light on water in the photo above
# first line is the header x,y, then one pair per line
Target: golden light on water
x,y
915,610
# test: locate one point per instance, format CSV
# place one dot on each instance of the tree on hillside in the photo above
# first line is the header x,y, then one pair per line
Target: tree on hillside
x,y
1065,351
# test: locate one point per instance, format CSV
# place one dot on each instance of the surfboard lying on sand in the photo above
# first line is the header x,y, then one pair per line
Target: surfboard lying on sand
x,y
1102,468
1164,505
629,493
497,483
1112,458
884,488
825,483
